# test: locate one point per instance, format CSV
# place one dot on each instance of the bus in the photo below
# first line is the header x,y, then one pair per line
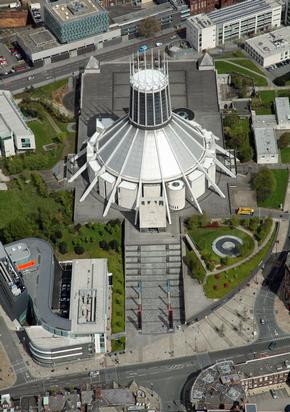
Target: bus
x,y
245,211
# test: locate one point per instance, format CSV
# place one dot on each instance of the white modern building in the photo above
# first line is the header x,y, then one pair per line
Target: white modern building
x,y
264,128
206,31
15,135
201,32
282,110
270,48
152,159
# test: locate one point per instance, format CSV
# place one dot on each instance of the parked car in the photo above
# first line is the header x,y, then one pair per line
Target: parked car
x,y
143,48
273,393
159,44
262,321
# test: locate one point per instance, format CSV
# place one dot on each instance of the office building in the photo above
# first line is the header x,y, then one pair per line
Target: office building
x,y
15,135
71,20
233,22
40,47
270,48
65,304
151,159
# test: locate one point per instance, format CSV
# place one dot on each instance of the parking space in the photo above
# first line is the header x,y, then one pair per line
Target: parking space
x,y
266,402
278,69
11,60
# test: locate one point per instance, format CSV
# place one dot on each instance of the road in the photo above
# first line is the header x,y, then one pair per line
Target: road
x,y
67,67
167,377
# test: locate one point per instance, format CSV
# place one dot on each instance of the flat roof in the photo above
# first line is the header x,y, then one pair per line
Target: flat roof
x,y
269,44
282,109
201,20
42,338
240,10
265,141
263,366
89,296
37,40
264,120
18,252
65,10
11,117
143,13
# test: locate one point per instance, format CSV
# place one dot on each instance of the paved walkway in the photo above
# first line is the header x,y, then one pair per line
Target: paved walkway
x,y
256,249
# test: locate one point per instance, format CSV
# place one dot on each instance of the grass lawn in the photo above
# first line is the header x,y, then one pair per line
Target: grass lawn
x,y
267,98
248,64
285,155
227,67
278,196
44,91
118,344
217,286
204,237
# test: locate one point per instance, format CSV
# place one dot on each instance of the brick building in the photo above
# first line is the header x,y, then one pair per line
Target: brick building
x,y
205,6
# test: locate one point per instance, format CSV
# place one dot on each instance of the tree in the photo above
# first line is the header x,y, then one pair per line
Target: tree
x,y
79,250
148,27
15,230
63,249
284,140
264,183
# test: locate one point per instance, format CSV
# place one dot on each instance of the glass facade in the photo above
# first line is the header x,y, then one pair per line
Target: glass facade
x,y
76,29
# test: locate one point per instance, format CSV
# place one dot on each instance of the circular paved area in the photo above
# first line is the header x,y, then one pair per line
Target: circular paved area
x,y
227,246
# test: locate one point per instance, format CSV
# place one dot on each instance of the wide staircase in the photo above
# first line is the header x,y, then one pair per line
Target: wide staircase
x,y
154,288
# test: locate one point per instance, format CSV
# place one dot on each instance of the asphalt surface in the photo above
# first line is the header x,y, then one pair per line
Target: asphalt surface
x,y
54,71
168,378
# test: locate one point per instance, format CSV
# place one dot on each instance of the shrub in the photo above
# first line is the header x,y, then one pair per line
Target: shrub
x,y
215,287
226,285
58,234
104,245
62,247
79,250
217,276
114,245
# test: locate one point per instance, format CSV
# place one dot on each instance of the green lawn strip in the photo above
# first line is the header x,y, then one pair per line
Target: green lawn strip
x,y
44,91
217,286
278,196
204,237
248,64
90,236
285,155
118,344
227,67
